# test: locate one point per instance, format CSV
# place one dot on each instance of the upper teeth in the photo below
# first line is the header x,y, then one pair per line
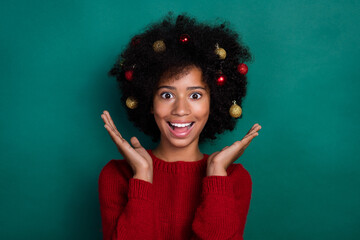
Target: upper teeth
x,y
180,125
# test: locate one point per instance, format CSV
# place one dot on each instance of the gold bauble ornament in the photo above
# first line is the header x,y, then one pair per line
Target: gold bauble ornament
x,y
220,51
122,63
159,46
235,110
131,102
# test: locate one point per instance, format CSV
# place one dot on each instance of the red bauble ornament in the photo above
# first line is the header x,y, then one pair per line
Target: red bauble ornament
x,y
242,68
221,80
129,75
184,38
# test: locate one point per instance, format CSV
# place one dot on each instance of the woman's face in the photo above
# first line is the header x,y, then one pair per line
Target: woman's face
x,y
181,107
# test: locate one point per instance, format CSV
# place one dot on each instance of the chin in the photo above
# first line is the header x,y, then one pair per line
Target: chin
x,y
181,142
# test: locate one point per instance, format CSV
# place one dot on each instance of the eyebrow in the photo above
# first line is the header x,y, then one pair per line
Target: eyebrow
x,y
188,88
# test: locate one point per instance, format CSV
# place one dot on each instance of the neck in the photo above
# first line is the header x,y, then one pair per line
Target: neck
x,y
171,153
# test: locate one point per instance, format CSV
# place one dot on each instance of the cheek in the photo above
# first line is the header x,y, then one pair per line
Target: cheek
x,y
158,119
203,110
159,111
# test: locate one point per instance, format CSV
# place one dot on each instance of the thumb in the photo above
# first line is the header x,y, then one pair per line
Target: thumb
x,y
213,155
135,142
224,148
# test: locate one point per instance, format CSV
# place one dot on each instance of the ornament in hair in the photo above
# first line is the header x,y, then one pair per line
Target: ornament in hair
x,y
184,38
131,102
220,52
159,46
130,73
235,110
242,68
221,80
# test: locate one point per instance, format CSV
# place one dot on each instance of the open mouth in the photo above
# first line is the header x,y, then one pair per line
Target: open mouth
x,y
180,125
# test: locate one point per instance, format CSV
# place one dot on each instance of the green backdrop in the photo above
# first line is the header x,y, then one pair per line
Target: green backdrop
x,y
303,90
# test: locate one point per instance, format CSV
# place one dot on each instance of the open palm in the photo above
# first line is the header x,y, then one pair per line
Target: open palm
x,y
219,161
137,156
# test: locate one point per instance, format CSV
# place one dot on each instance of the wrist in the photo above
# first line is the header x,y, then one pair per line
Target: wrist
x,y
216,171
144,175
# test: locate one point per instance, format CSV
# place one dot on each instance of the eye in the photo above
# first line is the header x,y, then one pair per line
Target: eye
x,y
166,95
195,95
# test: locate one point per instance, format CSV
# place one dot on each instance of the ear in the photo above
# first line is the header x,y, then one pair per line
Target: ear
x,y
152,110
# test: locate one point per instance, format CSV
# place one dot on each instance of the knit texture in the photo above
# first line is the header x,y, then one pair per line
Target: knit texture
x,y
181,203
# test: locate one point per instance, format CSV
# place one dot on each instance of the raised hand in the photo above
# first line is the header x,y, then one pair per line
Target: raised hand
x,y
219,161
137,156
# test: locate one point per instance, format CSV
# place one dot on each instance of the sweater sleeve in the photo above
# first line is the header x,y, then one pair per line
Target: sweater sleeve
x,y
225,201
126,205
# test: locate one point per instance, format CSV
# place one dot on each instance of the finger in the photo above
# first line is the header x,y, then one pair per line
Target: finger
x,y
224,148
126,150
116,138
247,140
106,120
113,132
110,128
123,146
213,155
107,114
111,123
140,149
256,127
238,147
135,142
252,128
247,144
250,136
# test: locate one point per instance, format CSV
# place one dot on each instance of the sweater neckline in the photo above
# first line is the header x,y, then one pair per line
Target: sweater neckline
x,y
178,166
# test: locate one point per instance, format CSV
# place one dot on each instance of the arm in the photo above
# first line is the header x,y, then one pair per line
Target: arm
x,y
224,206
225,198
127,210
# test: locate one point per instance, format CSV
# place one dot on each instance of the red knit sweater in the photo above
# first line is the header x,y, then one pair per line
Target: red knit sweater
x,y
181,203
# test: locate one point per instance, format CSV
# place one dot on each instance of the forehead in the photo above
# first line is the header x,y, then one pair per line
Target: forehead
x,y
190,75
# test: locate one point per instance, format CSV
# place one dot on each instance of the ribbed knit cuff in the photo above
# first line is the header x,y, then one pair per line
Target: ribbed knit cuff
x,y
140,189
218,185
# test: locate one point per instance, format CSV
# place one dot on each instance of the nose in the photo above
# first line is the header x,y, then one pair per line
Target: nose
x,y
181,107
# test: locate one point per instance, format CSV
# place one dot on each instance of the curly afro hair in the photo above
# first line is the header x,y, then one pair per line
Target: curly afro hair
x,y
139,69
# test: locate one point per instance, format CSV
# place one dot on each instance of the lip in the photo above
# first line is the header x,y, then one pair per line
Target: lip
x,y
181,122
183,134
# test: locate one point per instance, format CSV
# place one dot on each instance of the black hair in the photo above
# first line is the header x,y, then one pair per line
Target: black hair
x,y
148,66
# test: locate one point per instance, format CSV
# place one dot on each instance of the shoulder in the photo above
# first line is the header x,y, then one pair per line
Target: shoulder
x,y
113,181
240,176
116,169
238,170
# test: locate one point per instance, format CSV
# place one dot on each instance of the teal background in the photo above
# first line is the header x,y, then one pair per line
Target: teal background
x,y
303,91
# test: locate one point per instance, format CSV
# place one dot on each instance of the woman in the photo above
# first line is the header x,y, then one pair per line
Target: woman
x,y
179,79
